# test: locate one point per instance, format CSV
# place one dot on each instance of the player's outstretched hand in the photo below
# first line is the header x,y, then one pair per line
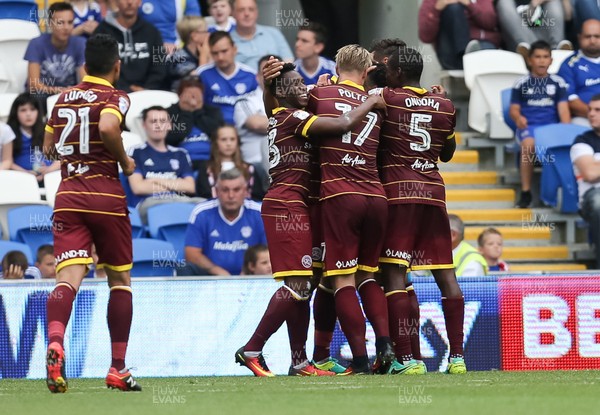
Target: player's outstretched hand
x,y
324,80
129,167
271,70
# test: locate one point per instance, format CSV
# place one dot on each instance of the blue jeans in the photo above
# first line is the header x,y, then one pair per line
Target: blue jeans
x,y
590,211
453,36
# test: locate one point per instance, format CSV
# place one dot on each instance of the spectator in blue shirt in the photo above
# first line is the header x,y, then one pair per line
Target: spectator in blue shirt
x,y
55,59
254,40
310,42
226,81
221,230
581,71
537,99
162,173
164,15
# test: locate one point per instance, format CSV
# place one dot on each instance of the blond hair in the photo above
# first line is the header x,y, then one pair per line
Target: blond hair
x,y
352,58
189,24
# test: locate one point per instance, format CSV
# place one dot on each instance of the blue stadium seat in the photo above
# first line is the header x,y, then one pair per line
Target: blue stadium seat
x,y
31,225
19,9
553,145
7,246
153,258
137,227
169,222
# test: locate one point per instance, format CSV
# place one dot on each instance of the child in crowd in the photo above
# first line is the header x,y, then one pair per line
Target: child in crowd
x,y
220,16
537,99
45,261
490,246
87,17
257,261
15,267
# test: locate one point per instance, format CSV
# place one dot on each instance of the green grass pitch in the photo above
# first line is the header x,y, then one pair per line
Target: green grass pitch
x,y
487,393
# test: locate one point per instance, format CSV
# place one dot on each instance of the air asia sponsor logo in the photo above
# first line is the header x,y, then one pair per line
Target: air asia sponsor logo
x,y
422,165
347,264
357,160
73,253
234,246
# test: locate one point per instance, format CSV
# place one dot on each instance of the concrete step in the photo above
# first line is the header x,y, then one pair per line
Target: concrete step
x,y
556,267
494,216
511,232
463,160
480,205
470,178
465,157
480,195
535,253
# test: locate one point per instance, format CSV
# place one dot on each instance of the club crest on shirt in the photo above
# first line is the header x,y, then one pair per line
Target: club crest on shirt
x,y
301,115
246,231
123,105
307,261
551,89
240,88
174,164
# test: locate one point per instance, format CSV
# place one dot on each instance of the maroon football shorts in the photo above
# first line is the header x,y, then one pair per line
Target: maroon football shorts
x,y
318,241
289,239
418,236
74,233
353,226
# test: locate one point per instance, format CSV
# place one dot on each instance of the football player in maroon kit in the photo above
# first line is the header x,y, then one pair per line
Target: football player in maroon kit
x,y
286,217
84,132
418,130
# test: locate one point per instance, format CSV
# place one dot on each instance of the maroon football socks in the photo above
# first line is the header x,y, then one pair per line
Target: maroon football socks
x,y
454,314
119,315
399,309
352,321
58,311
325,318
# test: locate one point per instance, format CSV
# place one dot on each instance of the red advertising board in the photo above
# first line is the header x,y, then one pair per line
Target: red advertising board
x,y
550,322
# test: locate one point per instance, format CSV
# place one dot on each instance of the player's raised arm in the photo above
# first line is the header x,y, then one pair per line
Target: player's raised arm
x,y
347,121
271,70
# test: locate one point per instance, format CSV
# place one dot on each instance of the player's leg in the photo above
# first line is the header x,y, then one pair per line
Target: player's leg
x,y
414,323
325,319
112,238
72,250
438,248
394,260
324,303
290,249
341,229
527,162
